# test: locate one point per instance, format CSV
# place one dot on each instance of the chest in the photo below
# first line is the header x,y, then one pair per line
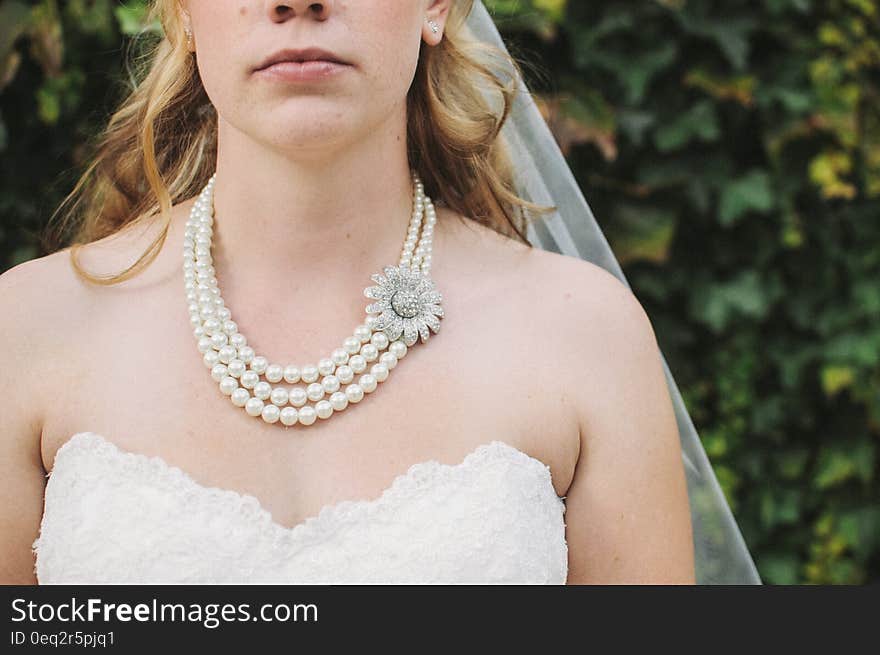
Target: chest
x,y
136,375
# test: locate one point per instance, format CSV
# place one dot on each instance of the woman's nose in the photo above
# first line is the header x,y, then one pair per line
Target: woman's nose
x,y
281,11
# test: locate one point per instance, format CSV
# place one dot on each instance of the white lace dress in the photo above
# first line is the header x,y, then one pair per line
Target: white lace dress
x,y
114,517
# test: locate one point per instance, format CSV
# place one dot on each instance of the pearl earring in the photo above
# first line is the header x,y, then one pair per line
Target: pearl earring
x,y
434,27
189,35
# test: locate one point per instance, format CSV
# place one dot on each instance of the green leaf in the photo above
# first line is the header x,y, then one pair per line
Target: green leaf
x,y
642,233
751,192
841,462
747,294
132,18
834,467
835,378
553,9
638,70
861,529
699,122
49,104
730,33
779,568
793,462
793,100
779,506
861,349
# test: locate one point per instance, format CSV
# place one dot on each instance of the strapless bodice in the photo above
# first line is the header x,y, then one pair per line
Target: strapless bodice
x,y
113,516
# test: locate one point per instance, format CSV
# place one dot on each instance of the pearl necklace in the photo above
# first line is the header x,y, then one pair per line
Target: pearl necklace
x,y
406,307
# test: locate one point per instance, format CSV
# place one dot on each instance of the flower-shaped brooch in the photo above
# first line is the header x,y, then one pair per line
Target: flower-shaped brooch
x,y
407,303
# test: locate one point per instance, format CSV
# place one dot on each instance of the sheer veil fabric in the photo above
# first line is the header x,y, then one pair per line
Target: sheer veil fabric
x,y
543,176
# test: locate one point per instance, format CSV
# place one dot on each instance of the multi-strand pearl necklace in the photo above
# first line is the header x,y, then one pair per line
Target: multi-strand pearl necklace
x,y
406,307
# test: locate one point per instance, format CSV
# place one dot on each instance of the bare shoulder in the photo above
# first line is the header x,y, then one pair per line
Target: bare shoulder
x,y
40,309
570,297
39,293
589,334
45,306
582,289
34,294
600,331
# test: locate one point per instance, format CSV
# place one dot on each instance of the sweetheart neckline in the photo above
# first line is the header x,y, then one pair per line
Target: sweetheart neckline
x,y
326,513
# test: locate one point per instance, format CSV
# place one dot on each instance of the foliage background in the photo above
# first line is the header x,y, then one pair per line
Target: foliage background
x,y
731,152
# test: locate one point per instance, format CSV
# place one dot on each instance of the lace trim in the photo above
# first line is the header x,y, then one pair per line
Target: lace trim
x,y
417,478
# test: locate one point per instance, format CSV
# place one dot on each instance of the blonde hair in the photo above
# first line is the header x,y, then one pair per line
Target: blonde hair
x,y
159,147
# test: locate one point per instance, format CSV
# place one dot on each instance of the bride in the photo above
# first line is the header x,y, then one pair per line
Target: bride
x,y
393,387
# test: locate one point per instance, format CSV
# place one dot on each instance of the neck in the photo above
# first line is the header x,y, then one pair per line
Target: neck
x,y
337,215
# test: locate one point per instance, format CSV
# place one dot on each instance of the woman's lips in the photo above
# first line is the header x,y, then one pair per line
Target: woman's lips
x,y
303,71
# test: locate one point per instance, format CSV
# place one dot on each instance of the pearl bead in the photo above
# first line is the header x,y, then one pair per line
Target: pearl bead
x,y
228,384
262,389
298,397
211,358
358,363
315,391
271,413
274,373
339,401
205,344
368,382
379,371
352,345
307,415
380,340
388,359
326,366
309,373
249,379
330,383
236,368
238,340
345,374
218,340
291,374
354,393
288,416
230,327
259,364
219,372
240,397
212,325
398,349
279,396
339,356
246,354
227,354
254,406
370,352
323,409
